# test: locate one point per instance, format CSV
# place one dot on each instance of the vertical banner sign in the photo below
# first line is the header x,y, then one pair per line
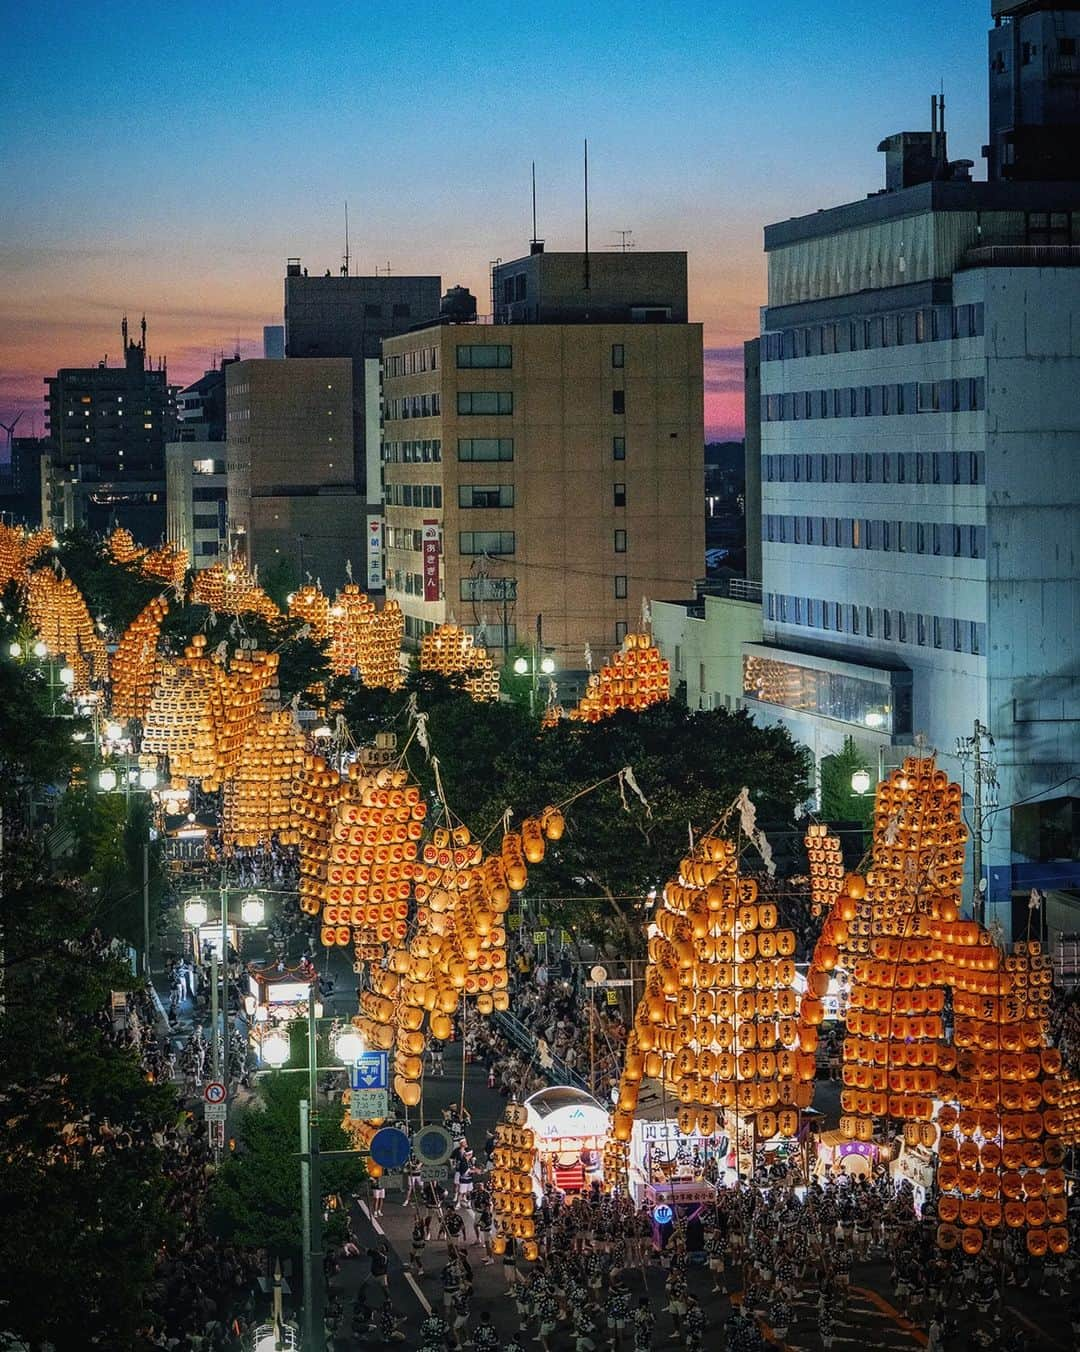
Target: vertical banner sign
x,y
431,560
375,579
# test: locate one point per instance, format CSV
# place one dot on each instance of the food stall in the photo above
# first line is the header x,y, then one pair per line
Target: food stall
x,y
837,1155
571,1128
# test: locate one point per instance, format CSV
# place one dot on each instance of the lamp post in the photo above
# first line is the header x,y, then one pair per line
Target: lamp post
x,y
541,663
135,781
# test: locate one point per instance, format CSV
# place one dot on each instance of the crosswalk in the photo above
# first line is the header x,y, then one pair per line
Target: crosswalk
x,y
868,1322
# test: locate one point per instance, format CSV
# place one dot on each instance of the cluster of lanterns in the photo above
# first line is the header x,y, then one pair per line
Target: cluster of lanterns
x,y
228,587
258,798
19,549
362,638
134,666
512,1183
315,794
165,563
717,1023
59,614
310,605
379,634
200,713
121,547
826,867
451,651
1001,1148
1070,1111
636,677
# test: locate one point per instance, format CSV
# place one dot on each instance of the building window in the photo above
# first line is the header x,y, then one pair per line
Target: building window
x,y
486,542
620,495
484,356
620,542
618,355
485,448
618,401
485,495
485,402
620,587
372,311
618,448
620,630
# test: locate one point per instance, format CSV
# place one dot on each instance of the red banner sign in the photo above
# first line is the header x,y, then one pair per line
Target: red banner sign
x,y
431,560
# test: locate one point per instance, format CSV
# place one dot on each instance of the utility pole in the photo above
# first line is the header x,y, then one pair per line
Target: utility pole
x,y
146,904
223,895
311,1196
984,777
215,1035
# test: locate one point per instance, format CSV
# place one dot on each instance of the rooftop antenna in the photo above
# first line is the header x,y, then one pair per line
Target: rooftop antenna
x,y
345,269
124,331
625,241
587,286
142,326
533,240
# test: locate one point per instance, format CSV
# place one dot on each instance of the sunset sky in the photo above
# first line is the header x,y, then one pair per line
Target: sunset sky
x,y
167,159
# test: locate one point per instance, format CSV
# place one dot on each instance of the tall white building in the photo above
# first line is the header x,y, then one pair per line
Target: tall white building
x,y
920,457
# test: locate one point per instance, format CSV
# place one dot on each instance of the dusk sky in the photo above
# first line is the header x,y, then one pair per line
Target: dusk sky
x,y
167,159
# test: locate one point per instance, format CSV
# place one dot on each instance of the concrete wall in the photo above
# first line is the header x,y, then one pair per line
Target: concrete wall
x,y
703,644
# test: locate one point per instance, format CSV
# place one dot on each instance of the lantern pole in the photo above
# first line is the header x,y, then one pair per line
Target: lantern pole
x,y
311,1197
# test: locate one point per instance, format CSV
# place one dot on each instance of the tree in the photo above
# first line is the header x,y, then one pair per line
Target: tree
x,y
839,801
114,592
255,1196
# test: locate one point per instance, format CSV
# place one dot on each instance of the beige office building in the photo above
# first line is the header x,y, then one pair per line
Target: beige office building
x,y
555,467
289,446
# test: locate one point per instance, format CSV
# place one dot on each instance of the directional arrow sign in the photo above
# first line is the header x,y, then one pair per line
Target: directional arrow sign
x,y
390,1148
371,1071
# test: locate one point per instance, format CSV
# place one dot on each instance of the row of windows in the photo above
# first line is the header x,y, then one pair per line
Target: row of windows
x,y
874,467
484,356
412,584
876,401
414,406
485,448
412,452
414,495
489,588
485,495
892,626
486,542
404,537
412,363
906,537
934,324
485,402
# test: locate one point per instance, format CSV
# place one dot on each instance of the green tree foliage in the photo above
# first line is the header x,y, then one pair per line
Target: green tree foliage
x,y
839,802
255,1196
114,592
77,1246
279,579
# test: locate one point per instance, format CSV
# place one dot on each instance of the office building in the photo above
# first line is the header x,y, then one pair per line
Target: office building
x,y
919,433
336,315
108,427
543,474
200,406
196,499
20,480
289,451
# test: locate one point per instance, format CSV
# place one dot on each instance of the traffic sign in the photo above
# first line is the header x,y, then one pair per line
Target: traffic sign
x,y
368,1104
216,1112
390,1147
214,1092
662,1214
433,1144
371,1071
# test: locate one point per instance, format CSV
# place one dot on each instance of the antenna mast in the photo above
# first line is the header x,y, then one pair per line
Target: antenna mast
x,y
587,286
345,269
534,201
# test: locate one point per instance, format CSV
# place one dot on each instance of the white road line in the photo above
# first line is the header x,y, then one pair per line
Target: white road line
x,y
373,1221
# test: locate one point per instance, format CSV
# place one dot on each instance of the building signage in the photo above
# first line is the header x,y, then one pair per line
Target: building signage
x,y
431,560
375,576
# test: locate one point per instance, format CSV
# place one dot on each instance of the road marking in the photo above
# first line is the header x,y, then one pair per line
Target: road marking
x,y
894,1314
374,1223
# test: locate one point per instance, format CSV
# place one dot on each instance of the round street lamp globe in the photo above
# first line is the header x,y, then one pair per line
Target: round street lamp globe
x,y
107,780
113,731
547,666
40,649
15,650
860,781
275,1050
148,779
348,1046
521,666
67,676
195,911
252,910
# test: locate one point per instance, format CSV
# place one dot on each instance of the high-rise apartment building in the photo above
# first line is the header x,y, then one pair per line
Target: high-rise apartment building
x,y
544,474
108,426
289,452
336,315
920,435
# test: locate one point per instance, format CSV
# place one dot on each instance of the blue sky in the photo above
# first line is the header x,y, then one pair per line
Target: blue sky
x,y
170,157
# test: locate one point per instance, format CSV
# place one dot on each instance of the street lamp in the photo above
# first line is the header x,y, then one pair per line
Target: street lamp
x,y
547,665
148,779
275,1050
860,782
521,665
15,649
252,910
107,779
113,731
195,912
40,648
348,1046
67,676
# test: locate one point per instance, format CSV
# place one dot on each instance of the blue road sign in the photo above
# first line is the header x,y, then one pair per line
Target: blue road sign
x,y
371,1071
433,1144
662,1214
390,1148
